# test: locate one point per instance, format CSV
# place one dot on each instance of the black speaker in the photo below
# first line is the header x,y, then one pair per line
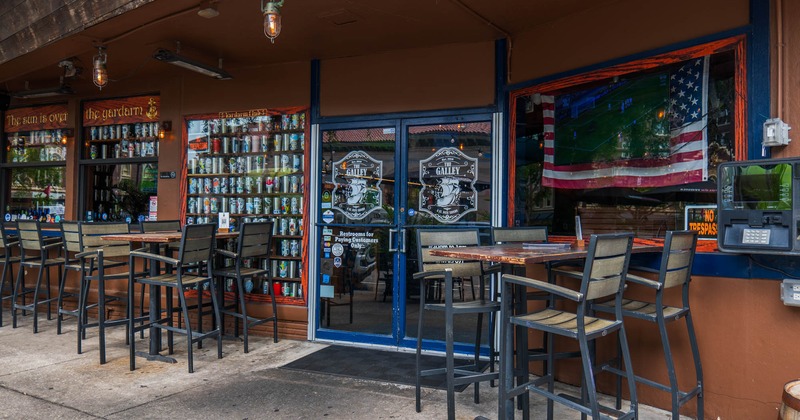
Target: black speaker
x,y
5,100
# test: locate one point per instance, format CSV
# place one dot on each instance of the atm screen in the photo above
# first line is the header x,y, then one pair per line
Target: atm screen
x,y
758,187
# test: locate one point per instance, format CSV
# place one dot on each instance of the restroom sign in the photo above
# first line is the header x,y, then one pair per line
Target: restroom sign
x,y
448,185
356,191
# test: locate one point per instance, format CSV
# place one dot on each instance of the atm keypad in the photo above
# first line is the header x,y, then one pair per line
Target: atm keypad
x,y
756,236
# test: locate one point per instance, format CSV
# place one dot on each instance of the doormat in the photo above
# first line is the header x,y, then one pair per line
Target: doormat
x,y
377,365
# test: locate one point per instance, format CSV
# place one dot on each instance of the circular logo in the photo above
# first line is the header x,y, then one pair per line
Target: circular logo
x,y
337,250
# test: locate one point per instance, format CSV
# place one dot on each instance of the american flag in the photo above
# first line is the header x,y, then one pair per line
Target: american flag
x,y
687,159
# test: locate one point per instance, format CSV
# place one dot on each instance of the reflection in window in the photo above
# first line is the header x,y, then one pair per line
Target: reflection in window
x,y
37,192
626,151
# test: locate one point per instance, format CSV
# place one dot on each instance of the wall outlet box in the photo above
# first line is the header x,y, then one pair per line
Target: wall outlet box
x,y
776,133
790,292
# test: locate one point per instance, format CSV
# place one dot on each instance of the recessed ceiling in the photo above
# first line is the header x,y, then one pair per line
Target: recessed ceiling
x,y
312,29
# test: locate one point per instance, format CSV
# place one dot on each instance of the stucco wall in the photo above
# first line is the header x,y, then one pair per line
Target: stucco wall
x,y
616,30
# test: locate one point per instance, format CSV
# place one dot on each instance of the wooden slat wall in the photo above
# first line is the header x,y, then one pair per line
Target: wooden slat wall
x,y
645,222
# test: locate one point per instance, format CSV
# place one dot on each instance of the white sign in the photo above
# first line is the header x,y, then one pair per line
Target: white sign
x,y
153,208
224,221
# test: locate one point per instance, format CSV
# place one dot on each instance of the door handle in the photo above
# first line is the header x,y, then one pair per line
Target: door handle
x,y
403,240
391,240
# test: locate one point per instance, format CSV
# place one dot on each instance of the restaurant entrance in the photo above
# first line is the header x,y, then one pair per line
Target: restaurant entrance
x,y
380,182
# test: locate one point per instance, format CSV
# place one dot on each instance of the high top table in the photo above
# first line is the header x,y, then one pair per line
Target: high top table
x,y
154,239
519,254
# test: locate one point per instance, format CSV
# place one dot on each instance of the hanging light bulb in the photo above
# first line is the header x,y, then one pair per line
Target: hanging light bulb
x,y
99,70
272,18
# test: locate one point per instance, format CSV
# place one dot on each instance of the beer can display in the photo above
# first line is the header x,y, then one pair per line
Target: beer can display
x,y
250,167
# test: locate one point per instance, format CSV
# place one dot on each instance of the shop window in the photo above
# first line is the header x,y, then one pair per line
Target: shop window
x,y
34,162
630,146
120,158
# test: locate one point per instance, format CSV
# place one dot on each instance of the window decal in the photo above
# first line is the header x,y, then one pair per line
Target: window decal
x,y
448,185
357,179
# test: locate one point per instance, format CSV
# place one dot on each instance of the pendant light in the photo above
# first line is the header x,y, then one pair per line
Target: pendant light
x,y
99,70
272,18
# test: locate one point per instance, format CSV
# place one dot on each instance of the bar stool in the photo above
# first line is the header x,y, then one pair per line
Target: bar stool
x,y
438,269
193,267
71,238
35,253
253,244
97,256
603,276
7,245
675,271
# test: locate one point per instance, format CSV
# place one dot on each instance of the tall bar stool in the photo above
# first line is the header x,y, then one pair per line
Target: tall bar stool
x,y
603,277
534,234
675,271
71,238
35,252
8,243
433,269
193,267
254,243
98,255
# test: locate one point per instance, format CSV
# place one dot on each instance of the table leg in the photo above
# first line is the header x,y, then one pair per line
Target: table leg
x,y
155,314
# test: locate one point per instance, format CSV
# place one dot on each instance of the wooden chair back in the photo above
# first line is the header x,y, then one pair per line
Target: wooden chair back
x,y
160,226
430,239
91,238
606,265
197,244
519,234
30,235
677,258
70,233
255,240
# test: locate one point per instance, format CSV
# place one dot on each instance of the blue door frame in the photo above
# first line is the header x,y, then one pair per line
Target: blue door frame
x,y
400,125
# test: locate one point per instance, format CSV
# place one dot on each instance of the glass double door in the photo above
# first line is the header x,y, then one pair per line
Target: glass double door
x,y
379,183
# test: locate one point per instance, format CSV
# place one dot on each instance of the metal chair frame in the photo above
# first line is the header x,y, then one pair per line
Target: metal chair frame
x,y
31,241
675,271
254,242
603,276
96,256
7,243
436,269
193,267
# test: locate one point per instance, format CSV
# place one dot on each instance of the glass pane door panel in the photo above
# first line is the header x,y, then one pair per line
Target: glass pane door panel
x,y
449,176
357,210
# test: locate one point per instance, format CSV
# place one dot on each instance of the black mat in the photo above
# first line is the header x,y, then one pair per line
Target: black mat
x,y
379,365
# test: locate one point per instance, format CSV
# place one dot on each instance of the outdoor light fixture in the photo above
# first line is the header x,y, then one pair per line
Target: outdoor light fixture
x,y
164,128
66,133
272,18
99,70
168,56
208,9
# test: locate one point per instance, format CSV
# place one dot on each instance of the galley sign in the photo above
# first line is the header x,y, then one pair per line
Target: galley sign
x,y
448,185
356,179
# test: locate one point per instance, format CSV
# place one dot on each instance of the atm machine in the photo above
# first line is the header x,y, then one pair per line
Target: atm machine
x,y
758,205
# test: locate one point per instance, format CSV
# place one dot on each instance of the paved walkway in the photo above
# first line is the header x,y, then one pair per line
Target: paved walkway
x,y
42,377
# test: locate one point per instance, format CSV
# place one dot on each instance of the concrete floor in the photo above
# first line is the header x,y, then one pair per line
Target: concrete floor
x,y
42,376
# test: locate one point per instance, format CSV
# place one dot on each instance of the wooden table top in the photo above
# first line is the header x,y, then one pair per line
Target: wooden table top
x,y
517,254
159,237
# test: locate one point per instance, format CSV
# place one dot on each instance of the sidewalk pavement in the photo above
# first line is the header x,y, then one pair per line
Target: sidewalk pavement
x,y
42,376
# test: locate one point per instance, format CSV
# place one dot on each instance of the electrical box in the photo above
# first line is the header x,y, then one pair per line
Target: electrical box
x,y
758,205
776,133
790,292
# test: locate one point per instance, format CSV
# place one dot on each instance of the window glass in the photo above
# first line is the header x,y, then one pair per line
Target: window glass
x,y
624,150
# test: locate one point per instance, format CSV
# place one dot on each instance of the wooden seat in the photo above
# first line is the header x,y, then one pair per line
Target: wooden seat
x,y
675,271
254,244
35,252
442,269
192,268
603,276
